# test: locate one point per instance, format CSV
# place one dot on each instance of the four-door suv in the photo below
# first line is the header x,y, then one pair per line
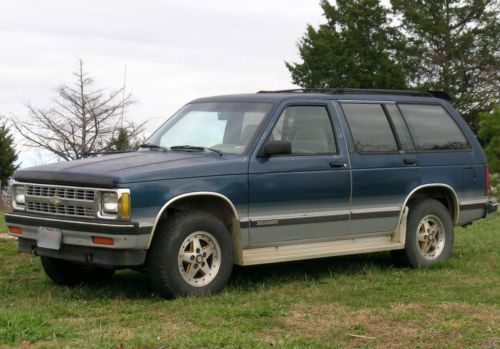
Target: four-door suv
x,y
260,178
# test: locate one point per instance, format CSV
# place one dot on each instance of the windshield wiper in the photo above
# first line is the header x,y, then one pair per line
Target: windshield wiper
x,y
152,146
194,148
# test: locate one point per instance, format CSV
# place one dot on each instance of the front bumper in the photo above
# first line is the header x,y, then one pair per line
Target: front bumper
x,y
87,255
129,239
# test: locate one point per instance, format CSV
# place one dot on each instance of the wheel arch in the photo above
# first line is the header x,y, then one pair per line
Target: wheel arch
x,y
215,203
443,192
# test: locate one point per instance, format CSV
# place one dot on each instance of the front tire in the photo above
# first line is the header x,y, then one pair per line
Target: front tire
x,y
67,273
429,235
191,255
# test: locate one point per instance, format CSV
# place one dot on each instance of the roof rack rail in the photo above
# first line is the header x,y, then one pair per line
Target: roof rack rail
x,y
430,93
440,94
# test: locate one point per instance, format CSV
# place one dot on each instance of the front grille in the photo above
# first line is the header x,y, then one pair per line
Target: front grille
x,y
59,200
61,192
66,210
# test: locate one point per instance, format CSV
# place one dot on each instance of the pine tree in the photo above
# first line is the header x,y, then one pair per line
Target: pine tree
x,y
8,156
126,140
356,48
489,135
455,47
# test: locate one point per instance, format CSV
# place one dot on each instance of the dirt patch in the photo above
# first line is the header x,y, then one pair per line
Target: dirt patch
x,y
402,325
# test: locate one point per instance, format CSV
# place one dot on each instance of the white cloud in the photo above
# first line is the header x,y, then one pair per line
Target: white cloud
x,y
175,51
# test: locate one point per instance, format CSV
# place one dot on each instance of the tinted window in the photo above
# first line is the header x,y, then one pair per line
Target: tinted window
x,y
433,128
400,127
307,128
370,128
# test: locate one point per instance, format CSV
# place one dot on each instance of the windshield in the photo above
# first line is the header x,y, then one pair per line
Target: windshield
x,y
227,127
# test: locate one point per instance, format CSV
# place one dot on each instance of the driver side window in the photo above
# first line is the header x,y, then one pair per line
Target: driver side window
x,y
307,128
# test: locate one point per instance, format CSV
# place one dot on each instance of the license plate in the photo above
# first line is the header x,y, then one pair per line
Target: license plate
x,y
49,238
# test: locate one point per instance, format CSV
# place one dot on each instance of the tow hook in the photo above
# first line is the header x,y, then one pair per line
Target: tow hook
x,y
34,251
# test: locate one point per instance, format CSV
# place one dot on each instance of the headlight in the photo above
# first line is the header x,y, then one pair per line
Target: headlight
x,y
110,203
19,195
115,204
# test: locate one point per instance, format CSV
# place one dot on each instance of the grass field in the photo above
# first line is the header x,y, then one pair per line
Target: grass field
x,y
357,301
3,228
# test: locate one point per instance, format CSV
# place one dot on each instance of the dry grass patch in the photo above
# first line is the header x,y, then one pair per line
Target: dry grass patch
x,y
402,325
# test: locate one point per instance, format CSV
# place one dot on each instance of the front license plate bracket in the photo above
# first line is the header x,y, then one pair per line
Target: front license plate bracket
x,y
49,238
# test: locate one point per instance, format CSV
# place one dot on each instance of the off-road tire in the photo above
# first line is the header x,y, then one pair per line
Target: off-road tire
x,y
420,211
164,256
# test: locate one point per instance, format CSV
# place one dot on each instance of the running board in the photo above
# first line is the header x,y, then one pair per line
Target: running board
x,y
355,245
286,253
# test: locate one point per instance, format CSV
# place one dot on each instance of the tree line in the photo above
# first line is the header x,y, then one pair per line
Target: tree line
x,y
447,45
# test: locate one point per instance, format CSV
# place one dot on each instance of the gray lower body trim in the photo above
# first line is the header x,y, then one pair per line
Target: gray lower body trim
x,y
375,214
318,240
476,209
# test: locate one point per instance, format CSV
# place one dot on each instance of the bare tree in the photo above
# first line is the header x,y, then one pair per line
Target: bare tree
x,y
83,120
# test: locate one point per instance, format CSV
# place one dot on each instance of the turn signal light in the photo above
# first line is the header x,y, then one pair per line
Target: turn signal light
x,y
101,240
16,230
125,205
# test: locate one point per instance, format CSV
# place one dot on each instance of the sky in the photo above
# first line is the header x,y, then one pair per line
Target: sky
x,y
174,51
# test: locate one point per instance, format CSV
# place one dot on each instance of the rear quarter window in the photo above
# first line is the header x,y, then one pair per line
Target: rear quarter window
x,y
370,128
433,129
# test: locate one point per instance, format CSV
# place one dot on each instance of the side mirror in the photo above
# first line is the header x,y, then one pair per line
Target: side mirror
x,y
275,148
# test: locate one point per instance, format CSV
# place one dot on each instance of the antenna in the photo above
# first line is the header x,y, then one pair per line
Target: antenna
x,y
123,95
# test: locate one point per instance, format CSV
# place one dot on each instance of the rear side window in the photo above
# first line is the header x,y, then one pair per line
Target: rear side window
x,y
433,128
370,128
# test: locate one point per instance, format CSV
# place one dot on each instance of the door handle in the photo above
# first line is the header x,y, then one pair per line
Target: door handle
x,y
410,161
337,164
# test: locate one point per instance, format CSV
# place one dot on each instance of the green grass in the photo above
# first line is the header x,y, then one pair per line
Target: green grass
x,y
3,227
310,304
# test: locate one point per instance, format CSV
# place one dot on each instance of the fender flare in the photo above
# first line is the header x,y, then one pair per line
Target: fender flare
x,y
186,195
456,213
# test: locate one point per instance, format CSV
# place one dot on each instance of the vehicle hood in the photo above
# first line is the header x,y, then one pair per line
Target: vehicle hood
x,y
148,165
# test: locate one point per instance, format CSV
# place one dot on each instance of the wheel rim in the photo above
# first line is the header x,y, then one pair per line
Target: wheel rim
x,y
199,258
430,237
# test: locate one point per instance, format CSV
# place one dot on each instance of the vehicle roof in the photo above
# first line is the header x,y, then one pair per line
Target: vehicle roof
x,y
332,94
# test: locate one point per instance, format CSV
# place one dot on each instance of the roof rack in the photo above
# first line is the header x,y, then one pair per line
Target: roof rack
x,y
429,93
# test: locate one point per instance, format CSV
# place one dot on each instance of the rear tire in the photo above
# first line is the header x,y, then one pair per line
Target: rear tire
x,y
191,255
429,235
63,272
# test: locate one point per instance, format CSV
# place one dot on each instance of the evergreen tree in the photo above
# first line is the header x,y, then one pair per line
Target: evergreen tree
x,y
126,140
8,156
489,135
356,48
455,47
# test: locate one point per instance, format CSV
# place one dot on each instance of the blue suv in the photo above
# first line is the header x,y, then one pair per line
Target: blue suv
x,y
260,178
